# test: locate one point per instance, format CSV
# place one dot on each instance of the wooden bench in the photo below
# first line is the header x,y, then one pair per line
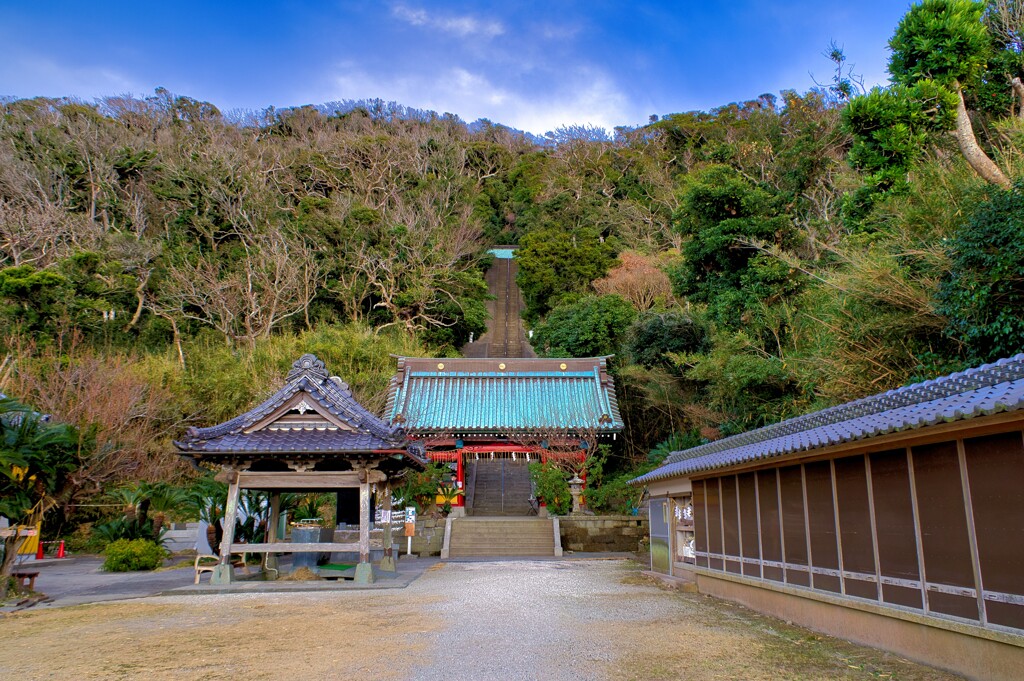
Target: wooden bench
x,y
26,578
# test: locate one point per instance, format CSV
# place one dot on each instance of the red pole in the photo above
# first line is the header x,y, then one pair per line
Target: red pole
x,y
460,477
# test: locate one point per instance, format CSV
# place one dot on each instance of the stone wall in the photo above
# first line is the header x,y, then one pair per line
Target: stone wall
x,y
602,532
428,540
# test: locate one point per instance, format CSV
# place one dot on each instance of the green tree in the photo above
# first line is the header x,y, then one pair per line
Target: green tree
x,y
592,326
940,50
983,295
729,220
891,128
656,335
553,262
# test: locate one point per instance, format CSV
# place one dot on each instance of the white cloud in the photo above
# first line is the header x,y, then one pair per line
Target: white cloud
x,y
581,96
462,26
560,32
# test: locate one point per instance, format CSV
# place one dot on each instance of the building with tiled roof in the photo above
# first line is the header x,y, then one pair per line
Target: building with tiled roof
x,y
519,409
310,435
896,520
503,397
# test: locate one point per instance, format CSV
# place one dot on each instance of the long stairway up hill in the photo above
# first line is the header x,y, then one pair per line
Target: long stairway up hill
x,y
505,336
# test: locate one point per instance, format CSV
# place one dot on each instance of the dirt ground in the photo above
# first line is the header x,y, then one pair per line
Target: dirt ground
x,y
596,620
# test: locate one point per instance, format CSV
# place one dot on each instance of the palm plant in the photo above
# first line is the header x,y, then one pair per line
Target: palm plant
x,y
131,497
207,498
36,458
253,506
163,498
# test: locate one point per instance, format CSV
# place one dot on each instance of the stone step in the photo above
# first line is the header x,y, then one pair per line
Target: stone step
x,y
496,537
485,539
500,494
500,532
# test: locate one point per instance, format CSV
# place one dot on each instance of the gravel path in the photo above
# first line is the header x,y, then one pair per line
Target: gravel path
x,y
522,620
465,621
562,621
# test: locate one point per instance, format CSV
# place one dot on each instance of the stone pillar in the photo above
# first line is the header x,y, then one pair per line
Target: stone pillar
x,y
387,563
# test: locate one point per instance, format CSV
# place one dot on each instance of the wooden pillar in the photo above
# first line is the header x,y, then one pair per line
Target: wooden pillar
x,y
364,571
224,574
364,522
272,525
388,561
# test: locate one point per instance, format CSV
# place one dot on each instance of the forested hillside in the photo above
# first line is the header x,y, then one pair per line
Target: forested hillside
x,y
164,262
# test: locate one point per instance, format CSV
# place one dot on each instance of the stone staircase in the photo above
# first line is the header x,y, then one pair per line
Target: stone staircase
x,y
487,537
500,488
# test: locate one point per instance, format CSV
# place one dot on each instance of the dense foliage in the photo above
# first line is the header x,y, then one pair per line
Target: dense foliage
x,y
162,263
983,294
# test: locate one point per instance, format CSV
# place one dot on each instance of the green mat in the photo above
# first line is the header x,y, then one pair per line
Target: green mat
x,y
338,566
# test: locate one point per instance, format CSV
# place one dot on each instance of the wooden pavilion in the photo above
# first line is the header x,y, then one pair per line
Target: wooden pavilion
x,y
896,520
310,435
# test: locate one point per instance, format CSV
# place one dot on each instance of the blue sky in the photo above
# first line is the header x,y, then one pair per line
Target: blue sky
x,y
532,65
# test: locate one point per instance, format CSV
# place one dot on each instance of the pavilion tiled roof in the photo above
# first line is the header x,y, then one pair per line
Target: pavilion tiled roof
x,y
982,391
503,396
363,431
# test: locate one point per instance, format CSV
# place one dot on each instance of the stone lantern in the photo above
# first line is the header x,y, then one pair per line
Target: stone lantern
x,y
576,490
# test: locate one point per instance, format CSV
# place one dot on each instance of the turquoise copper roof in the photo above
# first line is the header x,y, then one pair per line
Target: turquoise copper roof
x,y
499,396
503,252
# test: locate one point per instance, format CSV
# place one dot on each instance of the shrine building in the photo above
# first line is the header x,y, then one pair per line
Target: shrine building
x,y
489,417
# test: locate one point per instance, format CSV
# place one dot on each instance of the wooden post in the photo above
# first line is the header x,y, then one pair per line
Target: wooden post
x,y
387,563
972,536
364,570
272,523
224,573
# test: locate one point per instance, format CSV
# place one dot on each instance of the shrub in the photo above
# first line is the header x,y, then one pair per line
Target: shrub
x,y
551,487
421,488
85,540
125,555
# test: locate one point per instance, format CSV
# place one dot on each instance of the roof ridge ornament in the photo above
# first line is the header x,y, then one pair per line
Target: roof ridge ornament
x,y
308,365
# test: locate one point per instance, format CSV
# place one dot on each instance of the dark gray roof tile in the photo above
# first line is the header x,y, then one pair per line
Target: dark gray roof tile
x,y
291,441
984,390
308,376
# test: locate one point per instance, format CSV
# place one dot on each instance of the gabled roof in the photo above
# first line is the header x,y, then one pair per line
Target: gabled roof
x,y
312,413
982,391
503,397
